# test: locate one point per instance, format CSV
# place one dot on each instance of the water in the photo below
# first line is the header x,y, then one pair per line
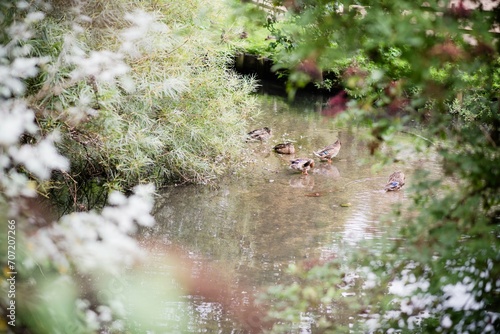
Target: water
x,y
256,223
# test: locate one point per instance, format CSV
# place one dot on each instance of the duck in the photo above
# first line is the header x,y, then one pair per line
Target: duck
x,y
259,134
329,152
285,148
396,181
302,164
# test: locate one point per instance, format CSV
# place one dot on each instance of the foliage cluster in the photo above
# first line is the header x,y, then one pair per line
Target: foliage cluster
x,y
404,64
175,113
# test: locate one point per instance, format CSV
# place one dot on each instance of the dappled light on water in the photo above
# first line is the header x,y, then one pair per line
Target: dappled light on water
x,y
268,216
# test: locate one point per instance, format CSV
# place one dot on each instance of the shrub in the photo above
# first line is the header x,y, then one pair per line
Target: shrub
x,y
438,270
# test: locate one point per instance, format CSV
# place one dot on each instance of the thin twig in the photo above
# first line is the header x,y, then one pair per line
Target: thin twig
x,y
419,136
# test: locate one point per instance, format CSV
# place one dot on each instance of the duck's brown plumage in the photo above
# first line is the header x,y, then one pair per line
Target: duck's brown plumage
x,y
285,148
396,181
329,152
302,164
259,134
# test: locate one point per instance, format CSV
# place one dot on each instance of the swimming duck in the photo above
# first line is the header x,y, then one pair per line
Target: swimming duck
x,y
302,164
259,134
396,181
285,148
329,152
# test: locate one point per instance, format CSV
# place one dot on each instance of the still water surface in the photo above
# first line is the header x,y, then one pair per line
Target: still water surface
x,y
259,221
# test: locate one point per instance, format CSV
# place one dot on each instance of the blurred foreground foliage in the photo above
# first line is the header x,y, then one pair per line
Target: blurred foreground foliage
x,y
97,99
403,65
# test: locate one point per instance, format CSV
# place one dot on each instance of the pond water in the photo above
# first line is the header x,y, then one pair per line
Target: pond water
x,y
256,223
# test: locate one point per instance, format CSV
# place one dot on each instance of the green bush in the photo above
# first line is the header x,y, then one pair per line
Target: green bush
x,y
169,111
438,269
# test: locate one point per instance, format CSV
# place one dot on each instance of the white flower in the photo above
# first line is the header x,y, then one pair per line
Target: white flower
x,y
104,65
144,190
22,5
117,198
34,17
100,242
143,35
446,322
10,85
92,320
24,67
16,184
16,118
4,162
40,159
105,313
459,297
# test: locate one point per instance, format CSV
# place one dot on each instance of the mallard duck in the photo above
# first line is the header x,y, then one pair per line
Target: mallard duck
x,y
396,181
259,134
302,164
285,148
329,152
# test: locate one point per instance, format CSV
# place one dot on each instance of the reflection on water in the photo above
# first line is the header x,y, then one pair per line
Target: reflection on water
x,y
268,216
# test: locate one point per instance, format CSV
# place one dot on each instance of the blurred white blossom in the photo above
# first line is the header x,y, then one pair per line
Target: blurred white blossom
x,y
104,66
88,242
446,322
143,35
22,4
459,297
99,242
15,184
40,159
17,119
13,73
408,285
25,67
105,313
34,17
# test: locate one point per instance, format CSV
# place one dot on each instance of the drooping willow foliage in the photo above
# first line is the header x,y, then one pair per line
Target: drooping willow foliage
x,y
402,64
159,101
